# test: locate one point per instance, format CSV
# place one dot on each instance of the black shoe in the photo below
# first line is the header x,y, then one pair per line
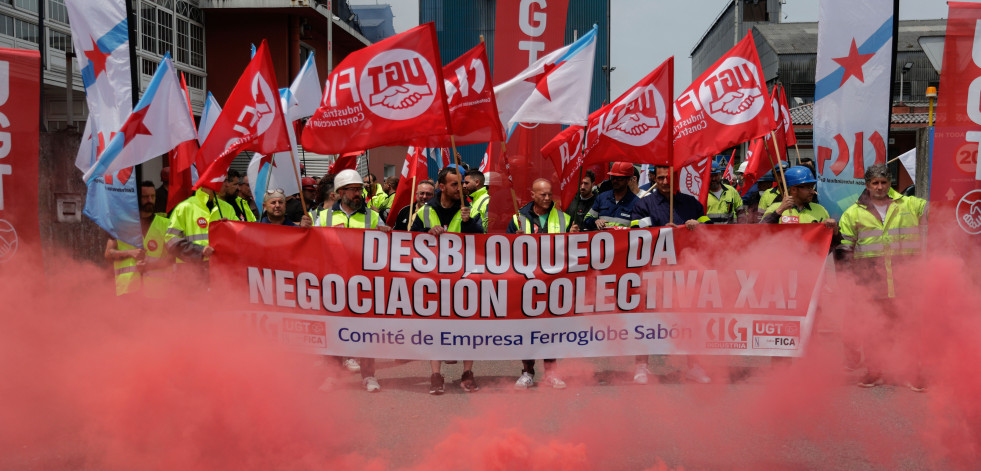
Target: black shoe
x,y
467,382
436,384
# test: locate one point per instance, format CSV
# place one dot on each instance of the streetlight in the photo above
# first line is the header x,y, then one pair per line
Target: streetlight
x,y
931,93
902,79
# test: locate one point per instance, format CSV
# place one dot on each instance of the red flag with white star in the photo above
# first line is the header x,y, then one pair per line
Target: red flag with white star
x,y
252,119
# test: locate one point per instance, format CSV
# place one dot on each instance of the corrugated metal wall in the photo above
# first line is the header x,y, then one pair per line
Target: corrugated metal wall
x,y
460,24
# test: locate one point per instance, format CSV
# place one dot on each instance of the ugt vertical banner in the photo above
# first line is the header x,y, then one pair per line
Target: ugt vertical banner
x,y
851,96
19,92
955,186
524,32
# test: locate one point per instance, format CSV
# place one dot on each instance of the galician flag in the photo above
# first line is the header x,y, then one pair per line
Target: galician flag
x,y
851,96
555,89
158,123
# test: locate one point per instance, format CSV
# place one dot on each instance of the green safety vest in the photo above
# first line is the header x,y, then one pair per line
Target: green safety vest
x,y
868,236
722,210
331,218
481,199
430,219
812,213
558,222
128,278
768,197
191,218
246,210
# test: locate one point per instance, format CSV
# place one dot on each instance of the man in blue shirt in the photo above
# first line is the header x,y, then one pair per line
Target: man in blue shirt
x,y
613,208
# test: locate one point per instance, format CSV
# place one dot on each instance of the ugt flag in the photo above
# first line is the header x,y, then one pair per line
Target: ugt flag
x,y
565,152
251,120
637,124
725,106
470,97
158,123
388,93
414,170
555,89
851,96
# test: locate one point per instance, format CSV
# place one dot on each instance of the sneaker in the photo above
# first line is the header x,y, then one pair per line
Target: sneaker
x,y
641,374
554,381
467,382
698,375
870,380
436,384
328,385
525,381
352,365
371,384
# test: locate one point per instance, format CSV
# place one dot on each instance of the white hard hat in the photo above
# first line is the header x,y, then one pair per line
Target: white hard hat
x,y
348,177
742,167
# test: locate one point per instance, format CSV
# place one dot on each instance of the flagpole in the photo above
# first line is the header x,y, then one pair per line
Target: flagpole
x,y
798,153
773,166
459,169
296,173
134,78
412,200
514,196
779,160
671,196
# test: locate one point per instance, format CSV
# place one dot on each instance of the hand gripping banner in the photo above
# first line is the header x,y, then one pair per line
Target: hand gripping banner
x,y
506,297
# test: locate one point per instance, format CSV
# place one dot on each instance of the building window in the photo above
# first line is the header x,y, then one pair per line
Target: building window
x,y
194,81
165,32
26,31
6,25
57,11
183,52
60,41
197,46
29,5
148,17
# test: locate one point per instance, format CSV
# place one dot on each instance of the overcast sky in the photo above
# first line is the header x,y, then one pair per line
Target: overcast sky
x,y
647,32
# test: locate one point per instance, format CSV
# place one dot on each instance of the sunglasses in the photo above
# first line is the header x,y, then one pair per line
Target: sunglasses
x,y
276,190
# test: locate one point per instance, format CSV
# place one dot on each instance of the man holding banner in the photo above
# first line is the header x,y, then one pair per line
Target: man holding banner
x,y
445,213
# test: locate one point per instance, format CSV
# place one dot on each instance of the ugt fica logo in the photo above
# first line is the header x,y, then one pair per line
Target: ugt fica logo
x,y
637,120
731,94
969,212
398,84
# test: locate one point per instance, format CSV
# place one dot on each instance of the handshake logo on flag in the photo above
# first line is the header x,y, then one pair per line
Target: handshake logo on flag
x,y
731,94
398,84
637,121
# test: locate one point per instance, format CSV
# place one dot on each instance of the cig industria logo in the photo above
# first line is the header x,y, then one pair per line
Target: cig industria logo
x,y
398,84
731,94
637,120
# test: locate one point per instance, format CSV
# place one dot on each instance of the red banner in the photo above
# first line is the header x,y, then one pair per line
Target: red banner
x,y
565,152
637,124
954,180
252,119
723,107
418,296
20,237
388,93
414,170
523,33
788,125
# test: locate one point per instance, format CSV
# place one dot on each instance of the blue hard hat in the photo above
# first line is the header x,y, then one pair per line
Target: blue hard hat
x,y
767,177
717,167
799,176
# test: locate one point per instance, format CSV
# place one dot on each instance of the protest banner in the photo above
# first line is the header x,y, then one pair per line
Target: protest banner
x,y
20,83
479,297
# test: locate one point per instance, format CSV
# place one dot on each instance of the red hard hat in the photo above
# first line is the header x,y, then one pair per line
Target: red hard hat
x,y
309,182
622,169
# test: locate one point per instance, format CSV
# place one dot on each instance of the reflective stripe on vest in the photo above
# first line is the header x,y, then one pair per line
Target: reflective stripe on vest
x,y
557,222
430,219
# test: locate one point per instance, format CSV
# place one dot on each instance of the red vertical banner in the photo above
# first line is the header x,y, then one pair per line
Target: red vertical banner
x,y
955,191
524,32
20,236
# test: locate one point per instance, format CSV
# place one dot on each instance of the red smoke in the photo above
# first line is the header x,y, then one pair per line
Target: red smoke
x,y
94,382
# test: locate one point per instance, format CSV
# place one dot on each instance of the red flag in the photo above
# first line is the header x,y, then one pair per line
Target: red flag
x,y
345,162
727,175
470,97
754,165
788,125
637,125
693,179
776,150
722,107
179,185
251,120
484,163
415,165
388,93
